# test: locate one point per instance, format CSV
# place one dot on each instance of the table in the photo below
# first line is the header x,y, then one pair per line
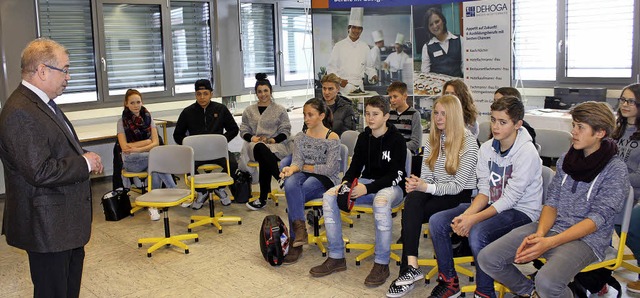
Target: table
x,y
549,119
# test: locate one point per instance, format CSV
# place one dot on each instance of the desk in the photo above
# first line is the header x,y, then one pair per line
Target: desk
x,y
549,119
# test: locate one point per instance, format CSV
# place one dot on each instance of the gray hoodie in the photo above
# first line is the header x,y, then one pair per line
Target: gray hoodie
x,y
512,180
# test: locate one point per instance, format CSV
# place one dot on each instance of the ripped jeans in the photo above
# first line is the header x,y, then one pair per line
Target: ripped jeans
x,y
382,202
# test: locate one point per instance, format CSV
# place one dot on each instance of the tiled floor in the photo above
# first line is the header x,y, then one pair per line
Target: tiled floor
x,y
219,265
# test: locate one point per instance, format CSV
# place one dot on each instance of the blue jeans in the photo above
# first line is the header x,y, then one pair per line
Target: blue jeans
x,y
563,263
480,235
382,202
285,162
139,162
300,188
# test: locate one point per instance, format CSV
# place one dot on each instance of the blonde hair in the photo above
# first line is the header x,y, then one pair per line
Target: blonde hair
x,y
331,78
454,132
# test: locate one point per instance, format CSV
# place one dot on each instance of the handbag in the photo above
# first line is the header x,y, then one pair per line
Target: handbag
x,y
241,187
116,204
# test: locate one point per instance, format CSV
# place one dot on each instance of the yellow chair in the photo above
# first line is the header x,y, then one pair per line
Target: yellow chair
x,y
171,159
369,248
318,238
210,147
274,192
143,177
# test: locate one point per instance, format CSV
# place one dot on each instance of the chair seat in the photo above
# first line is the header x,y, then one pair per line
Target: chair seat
x,y
164,197
212,178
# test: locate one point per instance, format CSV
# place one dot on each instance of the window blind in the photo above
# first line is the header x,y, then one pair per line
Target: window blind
x,y
599,41
297,44
192,54
534,39
69,23
258,40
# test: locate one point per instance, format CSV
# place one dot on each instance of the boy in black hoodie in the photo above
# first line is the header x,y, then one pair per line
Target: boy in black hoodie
x,y
378,163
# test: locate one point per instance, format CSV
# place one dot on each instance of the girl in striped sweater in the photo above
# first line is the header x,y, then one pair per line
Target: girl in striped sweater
x,y
447,179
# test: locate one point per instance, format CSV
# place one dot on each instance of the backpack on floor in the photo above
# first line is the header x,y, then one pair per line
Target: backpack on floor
x,y
593,281
274,240
241,187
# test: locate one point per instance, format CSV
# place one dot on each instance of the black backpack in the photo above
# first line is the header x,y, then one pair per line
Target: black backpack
x,y
241,187
274,239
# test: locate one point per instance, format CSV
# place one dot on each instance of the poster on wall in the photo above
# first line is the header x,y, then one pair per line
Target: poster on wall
x,y
487,31
371,43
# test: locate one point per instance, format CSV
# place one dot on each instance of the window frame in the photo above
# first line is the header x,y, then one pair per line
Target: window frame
x,y
97,20
278,7
561,78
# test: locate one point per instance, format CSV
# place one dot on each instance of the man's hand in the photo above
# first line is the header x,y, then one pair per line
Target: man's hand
x,y
358,191
462,224
95,162
532,247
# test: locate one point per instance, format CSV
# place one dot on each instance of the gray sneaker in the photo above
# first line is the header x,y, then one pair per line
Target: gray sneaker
x,y
202,197
222,194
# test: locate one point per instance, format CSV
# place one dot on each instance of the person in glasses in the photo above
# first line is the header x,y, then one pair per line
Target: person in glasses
x,y
460,90
47,209
206,116
627,134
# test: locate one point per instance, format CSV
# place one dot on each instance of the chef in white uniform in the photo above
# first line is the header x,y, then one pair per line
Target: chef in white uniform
x,y
374,53
397,59
349,56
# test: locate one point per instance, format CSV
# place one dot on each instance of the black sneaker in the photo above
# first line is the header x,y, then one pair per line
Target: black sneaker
x,y
409,276
256,205
398,291
446,288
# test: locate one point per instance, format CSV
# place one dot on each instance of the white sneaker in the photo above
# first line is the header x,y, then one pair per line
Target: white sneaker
x,y
153,213
224,198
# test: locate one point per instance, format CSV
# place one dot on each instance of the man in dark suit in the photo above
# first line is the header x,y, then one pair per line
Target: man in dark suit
x,y
48,194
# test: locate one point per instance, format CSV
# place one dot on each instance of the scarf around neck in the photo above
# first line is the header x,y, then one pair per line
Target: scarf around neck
x,y
586,168
136,128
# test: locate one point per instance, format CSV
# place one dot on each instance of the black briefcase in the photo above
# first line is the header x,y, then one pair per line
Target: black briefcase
x,y
116,204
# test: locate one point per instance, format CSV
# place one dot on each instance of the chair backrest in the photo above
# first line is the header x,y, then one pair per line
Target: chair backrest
x,y
207,146
344,158
626,211
171,159
407,163
553,143
349,138
484,129
547,176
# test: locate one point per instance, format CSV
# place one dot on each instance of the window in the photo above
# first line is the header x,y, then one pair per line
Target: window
x,y
69,23
144,44
575,41
276,40
258,41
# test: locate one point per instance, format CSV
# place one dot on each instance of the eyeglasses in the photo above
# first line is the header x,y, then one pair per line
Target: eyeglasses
x,y
628,101
62,70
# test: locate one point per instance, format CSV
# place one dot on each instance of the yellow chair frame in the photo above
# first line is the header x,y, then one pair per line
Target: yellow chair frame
x,y
209,147
142,176
173,159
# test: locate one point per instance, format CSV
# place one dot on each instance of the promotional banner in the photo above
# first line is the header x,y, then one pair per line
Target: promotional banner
x,y
487,33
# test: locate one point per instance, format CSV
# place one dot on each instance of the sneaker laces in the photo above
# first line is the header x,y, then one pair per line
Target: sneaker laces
x,y
443,286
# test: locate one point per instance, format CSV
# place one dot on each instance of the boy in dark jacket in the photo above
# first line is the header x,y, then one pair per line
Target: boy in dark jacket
x,y
378,163
207,117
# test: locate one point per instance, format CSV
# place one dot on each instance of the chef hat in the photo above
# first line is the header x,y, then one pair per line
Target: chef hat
x,y
377,35
399,38
356,16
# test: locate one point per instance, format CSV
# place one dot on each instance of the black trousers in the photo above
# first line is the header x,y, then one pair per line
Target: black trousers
x,y
56,274
418,208
268,163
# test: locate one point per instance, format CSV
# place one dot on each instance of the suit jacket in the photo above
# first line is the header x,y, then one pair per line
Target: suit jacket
x,y
48,204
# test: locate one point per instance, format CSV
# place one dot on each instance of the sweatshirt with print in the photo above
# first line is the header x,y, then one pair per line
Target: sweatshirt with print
x,y
381,159
513,179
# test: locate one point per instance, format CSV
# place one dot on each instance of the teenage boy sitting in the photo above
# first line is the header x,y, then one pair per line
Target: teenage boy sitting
x,y
509,195
378,163
206,116
407,120
577,219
